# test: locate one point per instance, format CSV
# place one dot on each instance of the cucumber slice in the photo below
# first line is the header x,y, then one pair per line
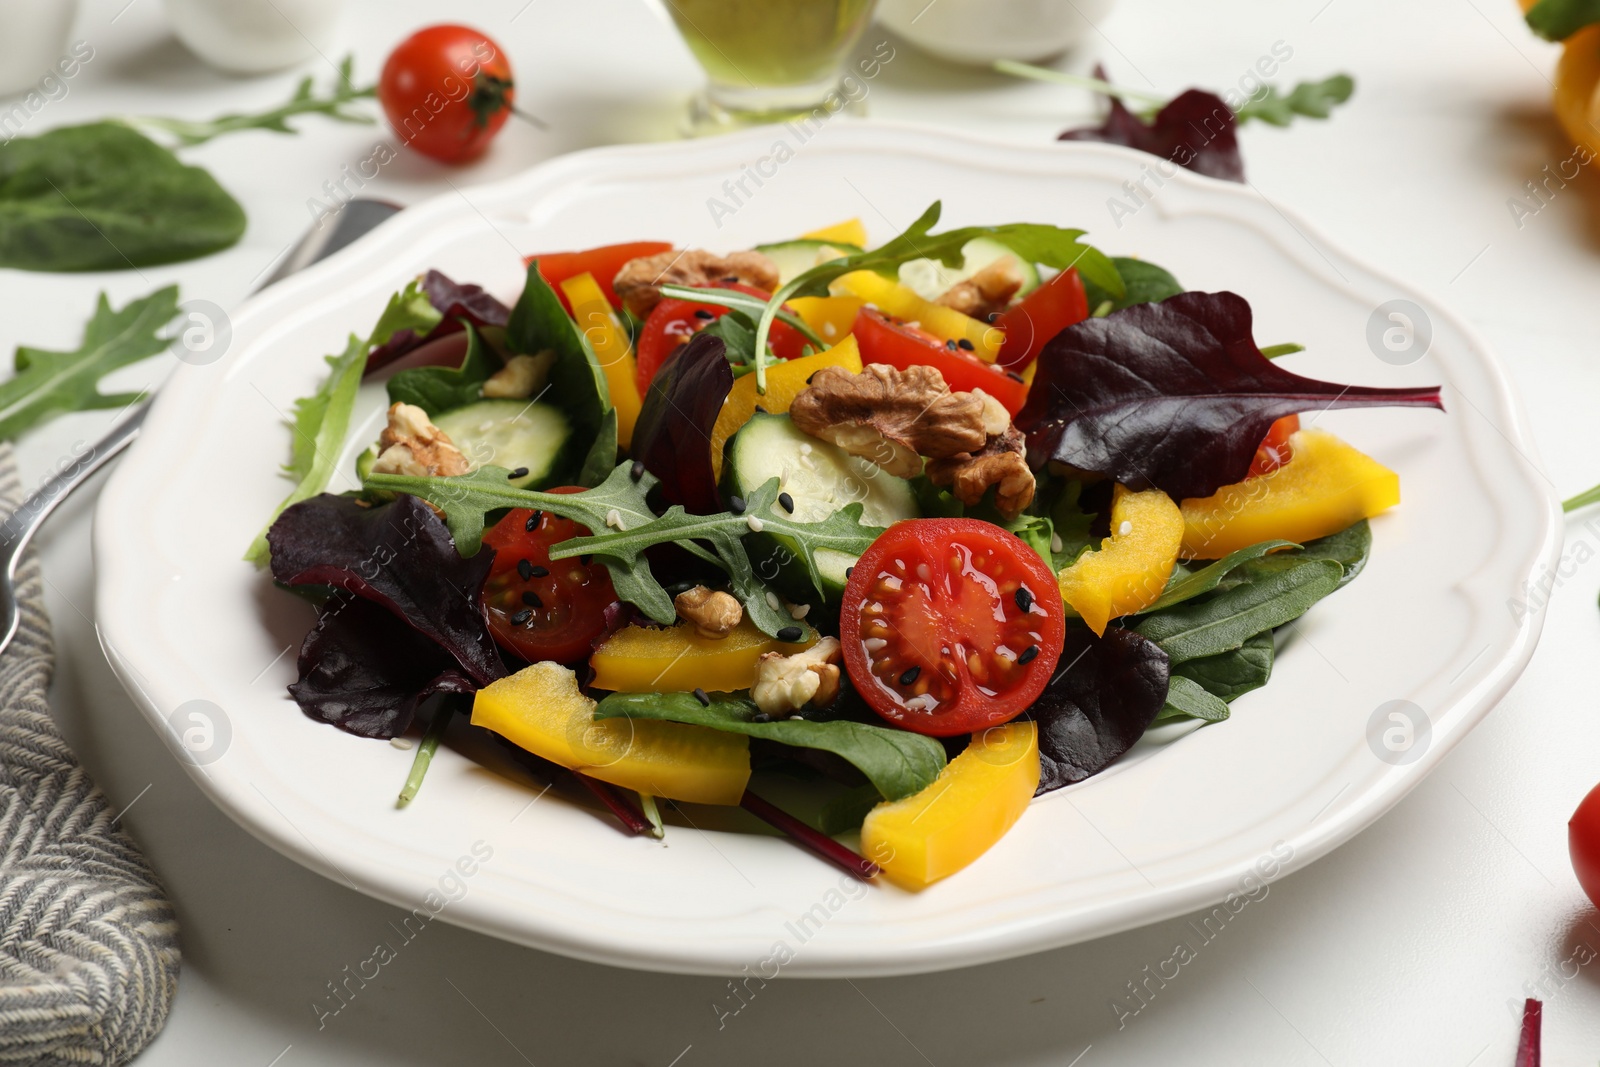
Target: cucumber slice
x,y
509,434
821,478
930,279
796,257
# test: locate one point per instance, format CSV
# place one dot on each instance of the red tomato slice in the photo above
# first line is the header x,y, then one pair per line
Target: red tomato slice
x,y
672,322
950,625
1039,316
1583,842
447,90
536,608
886,340
1275,450
603,262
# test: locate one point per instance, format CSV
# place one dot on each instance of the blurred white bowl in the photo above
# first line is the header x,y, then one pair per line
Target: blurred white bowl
x,y
33,34
254,36
982,31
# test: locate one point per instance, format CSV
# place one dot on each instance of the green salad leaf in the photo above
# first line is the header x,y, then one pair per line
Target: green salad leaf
x,y
1143,283
50,383
1034,242
539,323
1556,20
898,763
440,389
1188,699
1312,100
106,197
1186,584
321,420
303,102
1226,619
1230,675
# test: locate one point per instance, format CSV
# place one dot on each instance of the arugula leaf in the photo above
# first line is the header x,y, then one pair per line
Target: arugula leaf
x,y
440,389
1143,282
747,308
842,532
105,197
1312,100
898,763
1186,584
1224,621
303,102
322,419
1230,675
539,322
1556,20
1188,699
1034,242
48,383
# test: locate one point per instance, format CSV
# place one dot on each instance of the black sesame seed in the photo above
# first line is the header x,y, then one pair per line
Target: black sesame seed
x,y
760,410
966,344
531,599
520,472
524,569
992,318
731,278
1014,376
533,521
1028,654
1024,599
812,376
790,633
736,505
848,571
521,617
637,470
910,676
702,313
700,695
538,571
761,716
786,502
950,344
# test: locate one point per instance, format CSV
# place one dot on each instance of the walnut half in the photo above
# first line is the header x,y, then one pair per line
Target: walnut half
x,y
639,282
890,417
1002,462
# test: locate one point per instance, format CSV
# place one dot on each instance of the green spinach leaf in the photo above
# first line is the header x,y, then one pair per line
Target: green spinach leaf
x,y
1556,20
897,762
1230,675
440,389
1186,584
50,383
1143,283
1224,620
1188,699
106,197
577,384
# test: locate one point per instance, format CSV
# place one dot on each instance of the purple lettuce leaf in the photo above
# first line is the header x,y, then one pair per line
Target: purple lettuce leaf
x,y
398,555
1100,702
365,671
1174,395
1196,130
672,436
456,302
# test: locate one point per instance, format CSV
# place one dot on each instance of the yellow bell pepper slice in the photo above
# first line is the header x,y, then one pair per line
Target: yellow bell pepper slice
x,y
1132,566
785,380
850,231
1325,486
830,317
541,709
947,324
641,659
592,312
976,798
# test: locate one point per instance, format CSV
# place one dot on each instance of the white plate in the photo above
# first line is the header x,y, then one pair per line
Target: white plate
x,y
1177,825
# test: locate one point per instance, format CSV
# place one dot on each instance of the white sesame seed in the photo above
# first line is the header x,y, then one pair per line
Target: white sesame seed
x,y
805,450
402,743
1125,529
772,600
614,519
754,524
829,329
799,611
1056,544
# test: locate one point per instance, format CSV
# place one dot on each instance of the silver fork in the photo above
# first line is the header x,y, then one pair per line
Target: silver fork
x,y
353,220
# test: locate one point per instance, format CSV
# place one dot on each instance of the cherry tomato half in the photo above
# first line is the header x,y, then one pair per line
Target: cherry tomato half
x,y
673,322
1039,316
603,262
886,340
950,625
539,609
447,90
1583,841
1274,450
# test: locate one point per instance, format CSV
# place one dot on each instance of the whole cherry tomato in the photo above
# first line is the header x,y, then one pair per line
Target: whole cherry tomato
x,y
447,90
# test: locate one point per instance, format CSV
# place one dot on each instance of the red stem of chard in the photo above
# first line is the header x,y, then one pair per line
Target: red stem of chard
x,y
811,840
623,808
1528,1047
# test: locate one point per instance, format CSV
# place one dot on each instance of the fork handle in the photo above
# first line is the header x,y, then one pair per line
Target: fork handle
x,y
19,528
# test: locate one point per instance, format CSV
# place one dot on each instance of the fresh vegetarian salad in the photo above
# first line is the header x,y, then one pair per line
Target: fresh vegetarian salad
x,y
867,541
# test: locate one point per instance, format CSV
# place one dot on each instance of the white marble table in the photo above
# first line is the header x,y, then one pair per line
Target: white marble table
x,y
1404,946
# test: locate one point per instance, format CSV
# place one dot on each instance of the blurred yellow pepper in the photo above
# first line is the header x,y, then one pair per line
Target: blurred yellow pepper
x,y
947,324
592,312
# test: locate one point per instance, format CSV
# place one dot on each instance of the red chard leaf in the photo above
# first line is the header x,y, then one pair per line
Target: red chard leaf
x,y
457,303
1174,395
365,671
1107,693
400,556
1197,130
672,435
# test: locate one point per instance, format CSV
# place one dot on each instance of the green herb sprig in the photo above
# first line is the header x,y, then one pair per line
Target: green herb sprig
x,y
335,105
